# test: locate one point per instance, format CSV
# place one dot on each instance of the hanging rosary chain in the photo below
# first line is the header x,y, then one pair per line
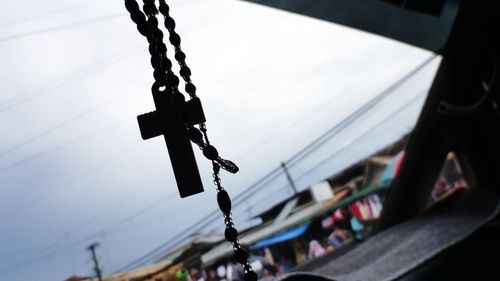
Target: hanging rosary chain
x,y
148,27
180,56
230,233
147,24
163,74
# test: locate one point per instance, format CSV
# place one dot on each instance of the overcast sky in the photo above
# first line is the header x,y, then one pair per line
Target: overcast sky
x,y
75,74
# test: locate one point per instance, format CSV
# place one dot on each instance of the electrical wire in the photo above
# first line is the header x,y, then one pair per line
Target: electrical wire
x,y
69,121
360,111
66,79
85,22
51,13
105,129
362,136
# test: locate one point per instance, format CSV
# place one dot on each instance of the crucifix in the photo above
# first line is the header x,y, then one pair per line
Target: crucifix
x,y
170,119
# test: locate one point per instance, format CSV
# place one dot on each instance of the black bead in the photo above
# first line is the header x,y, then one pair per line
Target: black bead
x,y
210,152
144,29
161,48
175,39
190,88
164,8
131,5
169,23
195,135
172,80
159,74
152,50
224,202
149,11
153,21
155,62
180,56
241,255
157,34
150,8
231,167
167,64
231,234
138,17
250,276
185,71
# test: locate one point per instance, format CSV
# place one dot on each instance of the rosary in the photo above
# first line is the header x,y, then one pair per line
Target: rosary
x,y
175,118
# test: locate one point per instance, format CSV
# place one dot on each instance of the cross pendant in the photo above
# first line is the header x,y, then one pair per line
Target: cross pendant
x,y
170,118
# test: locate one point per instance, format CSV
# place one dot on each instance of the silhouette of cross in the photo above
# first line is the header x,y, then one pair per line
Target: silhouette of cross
x,y
172,115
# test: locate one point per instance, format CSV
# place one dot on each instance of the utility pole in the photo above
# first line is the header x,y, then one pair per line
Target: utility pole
x,y
292,184
97,269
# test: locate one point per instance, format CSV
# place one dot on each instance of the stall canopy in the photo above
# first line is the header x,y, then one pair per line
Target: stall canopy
x,y
392,169
281,237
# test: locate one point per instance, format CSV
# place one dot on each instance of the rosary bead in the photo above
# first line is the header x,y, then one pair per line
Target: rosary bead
x,y
161,48
153,21
159,74
195,135
157,34
224,202
131,5
152,50
210,152
169,23
190,88
167,64
180,56
144,29
250,276
185,71
172,79
241,255
150,8
155,62
164,8
175,39
137,17
231,234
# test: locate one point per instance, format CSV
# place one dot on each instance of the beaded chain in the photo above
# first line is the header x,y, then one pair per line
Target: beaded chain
x,y
166,82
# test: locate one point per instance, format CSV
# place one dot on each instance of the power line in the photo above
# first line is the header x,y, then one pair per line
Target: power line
x,y
66,79
112,206
322,162
77,139
353,116
76,242
67,26
75,177
50,13
67,122
94,20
